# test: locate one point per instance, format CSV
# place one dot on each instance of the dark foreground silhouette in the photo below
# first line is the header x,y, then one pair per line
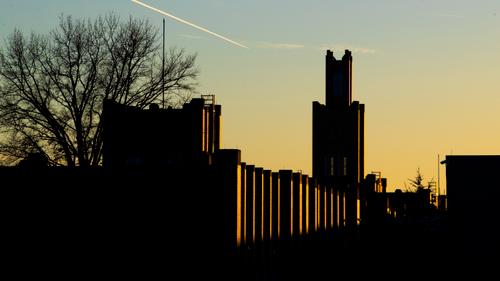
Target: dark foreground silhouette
x,y
95,223
172,204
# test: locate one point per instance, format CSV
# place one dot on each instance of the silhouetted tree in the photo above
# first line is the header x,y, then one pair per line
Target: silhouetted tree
x,y
417,183
52,86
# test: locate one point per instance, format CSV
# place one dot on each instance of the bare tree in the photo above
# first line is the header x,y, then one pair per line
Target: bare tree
x,y
52,86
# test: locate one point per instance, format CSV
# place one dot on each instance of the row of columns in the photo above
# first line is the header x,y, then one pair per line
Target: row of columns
x,y
284,205
258,205
262,205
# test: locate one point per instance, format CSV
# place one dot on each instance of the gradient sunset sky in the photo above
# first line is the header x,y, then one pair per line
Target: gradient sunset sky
x,y
427,70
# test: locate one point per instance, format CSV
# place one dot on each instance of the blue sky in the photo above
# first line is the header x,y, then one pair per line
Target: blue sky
x,y
427,71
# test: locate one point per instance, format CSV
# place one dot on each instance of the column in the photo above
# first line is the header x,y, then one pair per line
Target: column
x,y
267,203
297,205
250,205
258,203
275,206
335,208
341,208
305,205
311,191
321,208
243,198
286,204
228,168
328,207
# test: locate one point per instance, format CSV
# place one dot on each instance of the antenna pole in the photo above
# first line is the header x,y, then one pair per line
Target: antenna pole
x,y
439,179
439,182
163,69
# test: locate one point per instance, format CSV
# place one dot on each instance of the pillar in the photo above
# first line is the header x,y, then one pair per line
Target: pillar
x,y
243,205
286,222
228,168
321,208
275,206
297,205
258,203
250,204
351,205
267,203
311,191
341,208
328,207
335,208
217,127
305,205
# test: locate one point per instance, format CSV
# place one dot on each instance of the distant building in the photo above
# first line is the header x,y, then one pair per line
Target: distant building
x,y
338,137
161,137
473,191
374,199
409,204
249,204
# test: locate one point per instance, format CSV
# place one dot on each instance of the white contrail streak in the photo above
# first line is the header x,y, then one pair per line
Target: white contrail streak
x,y
190,24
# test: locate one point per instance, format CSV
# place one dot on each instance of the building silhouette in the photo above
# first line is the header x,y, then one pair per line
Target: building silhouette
x,y
168,187
374,199
473,190
161,137
338,138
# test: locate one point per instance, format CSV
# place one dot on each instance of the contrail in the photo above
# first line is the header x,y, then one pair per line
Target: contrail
x,y
190,24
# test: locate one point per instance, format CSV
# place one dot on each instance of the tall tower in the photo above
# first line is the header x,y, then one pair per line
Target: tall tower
x,y
338,139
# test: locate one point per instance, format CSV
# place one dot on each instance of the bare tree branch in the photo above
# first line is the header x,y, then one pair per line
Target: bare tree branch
x,y
52,86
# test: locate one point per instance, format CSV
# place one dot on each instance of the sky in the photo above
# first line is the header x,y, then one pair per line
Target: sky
x,y
428,71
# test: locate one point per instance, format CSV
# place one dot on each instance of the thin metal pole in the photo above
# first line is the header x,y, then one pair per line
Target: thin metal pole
x,y
439,179
163,69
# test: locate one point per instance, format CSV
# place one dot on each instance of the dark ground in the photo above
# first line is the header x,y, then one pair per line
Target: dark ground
x,y
114,229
